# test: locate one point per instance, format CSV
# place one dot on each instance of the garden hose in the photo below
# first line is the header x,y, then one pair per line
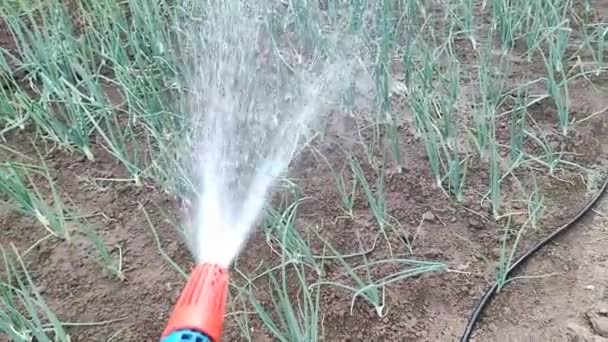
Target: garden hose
x,y
198,315
489,294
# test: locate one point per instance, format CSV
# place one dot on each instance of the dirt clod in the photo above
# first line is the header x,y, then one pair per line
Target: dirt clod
x,y
475,223
599,320
599,324
428,216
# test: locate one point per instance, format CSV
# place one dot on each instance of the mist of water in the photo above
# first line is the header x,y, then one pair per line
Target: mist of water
x,y
257,94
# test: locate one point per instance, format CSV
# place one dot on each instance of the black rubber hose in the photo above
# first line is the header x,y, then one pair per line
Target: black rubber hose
x,y
489,294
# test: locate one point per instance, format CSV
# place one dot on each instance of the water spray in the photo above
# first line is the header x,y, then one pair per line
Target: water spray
x,y
251,110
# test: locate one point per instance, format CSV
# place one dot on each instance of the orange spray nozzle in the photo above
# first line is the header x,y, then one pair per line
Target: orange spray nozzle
x,y
202,302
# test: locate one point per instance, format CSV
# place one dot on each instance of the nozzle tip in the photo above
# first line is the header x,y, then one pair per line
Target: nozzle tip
x,y
202,302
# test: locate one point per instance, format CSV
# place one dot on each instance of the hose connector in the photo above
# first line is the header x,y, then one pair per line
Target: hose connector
x,y
201,305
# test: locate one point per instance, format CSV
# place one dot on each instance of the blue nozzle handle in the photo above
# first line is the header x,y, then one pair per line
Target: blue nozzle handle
x,y
186,336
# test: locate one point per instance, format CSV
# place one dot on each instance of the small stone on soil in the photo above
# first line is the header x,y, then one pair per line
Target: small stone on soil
x,y
474,223
599,320
428,216
600,325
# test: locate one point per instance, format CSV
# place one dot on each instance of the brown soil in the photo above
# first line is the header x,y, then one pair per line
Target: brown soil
x,y
433,308
563,299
